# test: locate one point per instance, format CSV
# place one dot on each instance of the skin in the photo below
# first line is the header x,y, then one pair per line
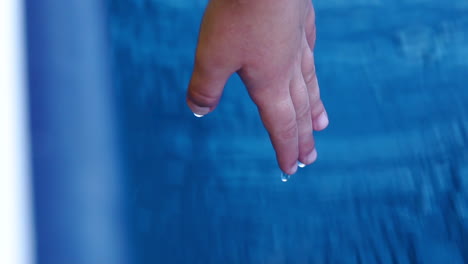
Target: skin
x,y
269,43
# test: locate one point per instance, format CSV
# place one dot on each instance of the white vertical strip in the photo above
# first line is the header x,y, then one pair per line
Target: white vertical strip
x,y
16,236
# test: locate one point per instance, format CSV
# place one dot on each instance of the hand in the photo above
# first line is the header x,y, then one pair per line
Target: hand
x,y
269,44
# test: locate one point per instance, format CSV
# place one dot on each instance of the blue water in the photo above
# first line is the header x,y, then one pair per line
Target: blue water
x,y
391,181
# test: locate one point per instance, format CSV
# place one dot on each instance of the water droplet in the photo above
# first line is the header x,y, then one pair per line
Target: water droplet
x,y
197,115
285,177
300,164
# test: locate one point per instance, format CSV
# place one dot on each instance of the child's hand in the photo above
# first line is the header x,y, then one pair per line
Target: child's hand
x,y
269,44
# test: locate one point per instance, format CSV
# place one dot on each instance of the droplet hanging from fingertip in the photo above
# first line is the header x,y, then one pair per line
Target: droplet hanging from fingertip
x,y
300,164
285,177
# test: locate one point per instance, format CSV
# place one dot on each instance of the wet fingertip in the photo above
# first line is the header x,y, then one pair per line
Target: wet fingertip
x,y
198,111
285,176
293,169
300,164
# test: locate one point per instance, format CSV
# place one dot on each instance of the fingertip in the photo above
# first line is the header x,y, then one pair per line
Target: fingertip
x,y
321,122
197,110
204,91
290,170
301,165
312,157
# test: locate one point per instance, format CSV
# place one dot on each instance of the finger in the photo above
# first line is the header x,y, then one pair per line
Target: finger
x,y
279,118
300,99
206,87
319,115
310,28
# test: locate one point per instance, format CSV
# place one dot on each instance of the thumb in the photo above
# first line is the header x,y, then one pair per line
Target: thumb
x,y
205,88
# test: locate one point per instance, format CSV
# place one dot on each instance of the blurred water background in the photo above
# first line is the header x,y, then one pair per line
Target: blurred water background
x,y
391,181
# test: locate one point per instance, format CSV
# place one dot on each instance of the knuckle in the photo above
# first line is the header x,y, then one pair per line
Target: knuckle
x,y
311,32
288,131
310,75
314,98
303,111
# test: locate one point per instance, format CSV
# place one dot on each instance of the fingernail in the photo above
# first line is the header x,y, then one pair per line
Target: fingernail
x,y
198,111
300,164
322,120
293,169
312,157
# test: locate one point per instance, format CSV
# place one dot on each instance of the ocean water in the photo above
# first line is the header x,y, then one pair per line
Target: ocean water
x,y
391,181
